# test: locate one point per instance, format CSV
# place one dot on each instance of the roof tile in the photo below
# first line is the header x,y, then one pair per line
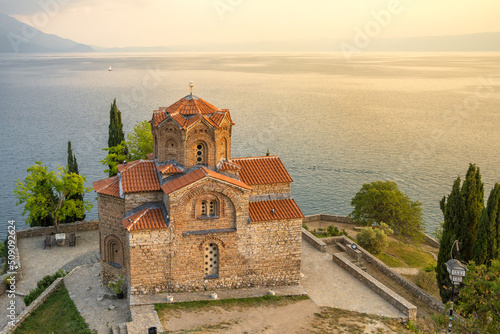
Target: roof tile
x,y
139,176
189,110
147,219
197,175
109,186
169,169
274,210
262,170
229,165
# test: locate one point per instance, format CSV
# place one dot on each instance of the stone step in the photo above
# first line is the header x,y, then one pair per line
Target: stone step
x,y
340,246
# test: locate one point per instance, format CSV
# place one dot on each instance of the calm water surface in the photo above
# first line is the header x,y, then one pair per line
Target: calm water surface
x,y
411,118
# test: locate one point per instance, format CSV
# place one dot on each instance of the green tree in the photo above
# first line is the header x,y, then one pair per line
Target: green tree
x,y
480,298
382,202
116,155
461,210
62,183
140,141
72,167
473,202
486,247
374,240
72,163
115,132
452,209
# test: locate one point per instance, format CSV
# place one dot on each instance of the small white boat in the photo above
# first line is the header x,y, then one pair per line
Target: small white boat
x,y
110,69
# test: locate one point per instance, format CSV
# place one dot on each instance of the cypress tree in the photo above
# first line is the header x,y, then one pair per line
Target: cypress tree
x,y
486,246
496,251
72,167
116,135
452,209
72,163
473,201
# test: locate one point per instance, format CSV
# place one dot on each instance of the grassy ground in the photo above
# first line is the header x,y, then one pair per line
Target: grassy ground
x,y
405,256
58,314
242,302
334,320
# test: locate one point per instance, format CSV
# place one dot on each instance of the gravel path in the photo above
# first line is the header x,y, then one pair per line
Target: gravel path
x,y
84,286
329,285
37,262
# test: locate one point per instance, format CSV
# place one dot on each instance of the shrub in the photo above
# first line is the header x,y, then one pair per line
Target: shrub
x,y
42,285
430,268
374,240
426,280
305,227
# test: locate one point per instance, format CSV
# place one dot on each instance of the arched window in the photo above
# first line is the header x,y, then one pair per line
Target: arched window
x,y
208,207
211,260
203,208
200,152
113,252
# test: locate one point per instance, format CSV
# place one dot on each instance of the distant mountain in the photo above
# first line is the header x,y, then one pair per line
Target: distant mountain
x,y
16,36
482,42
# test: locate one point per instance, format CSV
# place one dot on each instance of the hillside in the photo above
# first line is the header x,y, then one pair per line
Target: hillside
x,y
16,36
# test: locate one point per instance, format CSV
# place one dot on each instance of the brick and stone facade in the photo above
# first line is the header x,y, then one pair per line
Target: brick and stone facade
x,y
192,218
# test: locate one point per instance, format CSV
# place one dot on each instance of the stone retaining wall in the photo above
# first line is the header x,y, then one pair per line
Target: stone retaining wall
x,y
399,302
422,295
344,219
330,218
32,307
86,225
313,240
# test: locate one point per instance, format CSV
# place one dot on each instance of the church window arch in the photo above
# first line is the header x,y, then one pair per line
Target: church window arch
x,y
208,207
113,251
211,260
200,153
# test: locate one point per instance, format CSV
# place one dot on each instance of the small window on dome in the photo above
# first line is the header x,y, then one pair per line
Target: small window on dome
x,y
200,154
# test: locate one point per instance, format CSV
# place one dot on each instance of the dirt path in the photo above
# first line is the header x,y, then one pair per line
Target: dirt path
x,y
299,318
291,318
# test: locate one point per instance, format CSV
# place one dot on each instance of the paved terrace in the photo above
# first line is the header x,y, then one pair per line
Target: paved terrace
x,y
326,283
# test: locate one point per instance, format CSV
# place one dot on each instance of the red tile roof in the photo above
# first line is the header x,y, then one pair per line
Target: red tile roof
x,y
109,186
262,170
229,165
169,169
197,175
283,209
189,110
147,219
139,176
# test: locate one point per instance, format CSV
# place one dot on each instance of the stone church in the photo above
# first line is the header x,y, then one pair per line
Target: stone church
x,y
191,217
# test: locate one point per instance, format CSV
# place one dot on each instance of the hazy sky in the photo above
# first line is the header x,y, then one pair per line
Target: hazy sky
x,y
111,23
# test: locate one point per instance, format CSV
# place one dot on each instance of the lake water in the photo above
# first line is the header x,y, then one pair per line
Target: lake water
x,y
417,119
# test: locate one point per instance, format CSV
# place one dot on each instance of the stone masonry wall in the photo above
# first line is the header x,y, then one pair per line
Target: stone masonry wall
x,y
250,254
272,188
168,141
111,213
150,260
200,133
80,226
133,200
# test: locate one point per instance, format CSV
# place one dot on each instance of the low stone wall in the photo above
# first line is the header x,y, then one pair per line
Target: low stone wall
x,y
330,218
399,302
344,219
86,225
422,295
431,241
313,240
32,307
